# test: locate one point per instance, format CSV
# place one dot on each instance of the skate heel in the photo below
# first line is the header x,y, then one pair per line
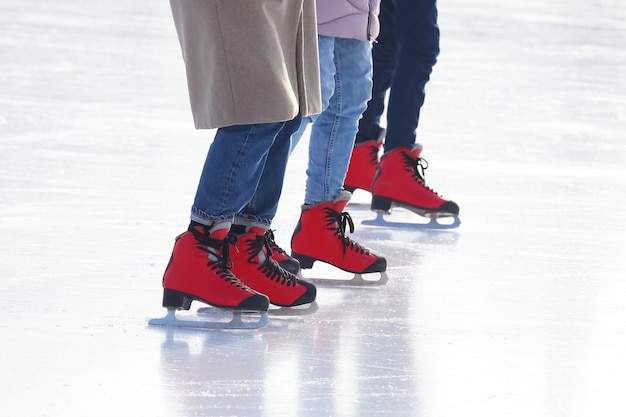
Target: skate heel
x,y
381,204
176,299
306,262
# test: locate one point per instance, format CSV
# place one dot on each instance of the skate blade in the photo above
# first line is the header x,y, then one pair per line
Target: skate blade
x,y
236,322
302,310
433,224
356,281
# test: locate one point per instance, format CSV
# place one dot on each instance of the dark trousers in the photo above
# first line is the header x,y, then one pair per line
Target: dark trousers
x,y
403,57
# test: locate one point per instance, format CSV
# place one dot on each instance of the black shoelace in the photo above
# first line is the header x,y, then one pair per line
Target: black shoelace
x,y
220,263
272,246
418,169
337,222
269,267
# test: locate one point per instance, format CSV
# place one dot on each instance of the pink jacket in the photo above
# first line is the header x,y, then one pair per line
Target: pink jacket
x,y
353,19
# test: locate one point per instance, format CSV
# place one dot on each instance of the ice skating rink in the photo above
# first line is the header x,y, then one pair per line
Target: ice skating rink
x,y
519,312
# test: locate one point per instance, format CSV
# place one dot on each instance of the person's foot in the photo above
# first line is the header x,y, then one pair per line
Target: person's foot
x,y
320,236
363,164
198,270
399,181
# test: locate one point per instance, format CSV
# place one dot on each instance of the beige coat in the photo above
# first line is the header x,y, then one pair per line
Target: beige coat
x,y
249,61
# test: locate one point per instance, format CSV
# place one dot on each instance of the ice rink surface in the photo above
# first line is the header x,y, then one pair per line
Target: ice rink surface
x,y
521,311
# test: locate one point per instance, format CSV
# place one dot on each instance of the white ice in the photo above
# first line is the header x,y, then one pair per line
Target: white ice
x,y
521,311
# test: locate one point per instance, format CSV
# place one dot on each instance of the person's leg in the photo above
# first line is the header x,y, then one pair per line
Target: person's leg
x,y
383,61
326,46
418,47
199,268
262,206
347,64
232,170
321,230
399,179
261,209
370,134
244,170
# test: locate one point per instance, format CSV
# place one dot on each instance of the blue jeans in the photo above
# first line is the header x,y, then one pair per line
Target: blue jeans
x,y
243,173
346,80
403,59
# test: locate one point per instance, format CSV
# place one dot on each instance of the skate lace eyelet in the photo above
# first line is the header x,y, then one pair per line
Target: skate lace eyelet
x,y
272,247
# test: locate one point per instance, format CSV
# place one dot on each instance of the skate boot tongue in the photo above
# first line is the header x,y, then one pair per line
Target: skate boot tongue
x,y
219,230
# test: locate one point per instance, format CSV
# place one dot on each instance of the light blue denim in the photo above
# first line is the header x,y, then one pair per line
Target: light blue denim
x,y
346,80
243,173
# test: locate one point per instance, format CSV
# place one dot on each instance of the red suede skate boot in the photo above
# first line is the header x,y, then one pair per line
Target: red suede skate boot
x,y
253,264
399,181
199,270
363,164
320,236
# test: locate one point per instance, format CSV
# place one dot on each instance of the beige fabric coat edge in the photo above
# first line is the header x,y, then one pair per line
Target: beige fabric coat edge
x,y
249,61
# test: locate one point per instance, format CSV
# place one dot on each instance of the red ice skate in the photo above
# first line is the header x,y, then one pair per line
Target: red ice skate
x,y
199,269
320,236
363,164
253,264
399,181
